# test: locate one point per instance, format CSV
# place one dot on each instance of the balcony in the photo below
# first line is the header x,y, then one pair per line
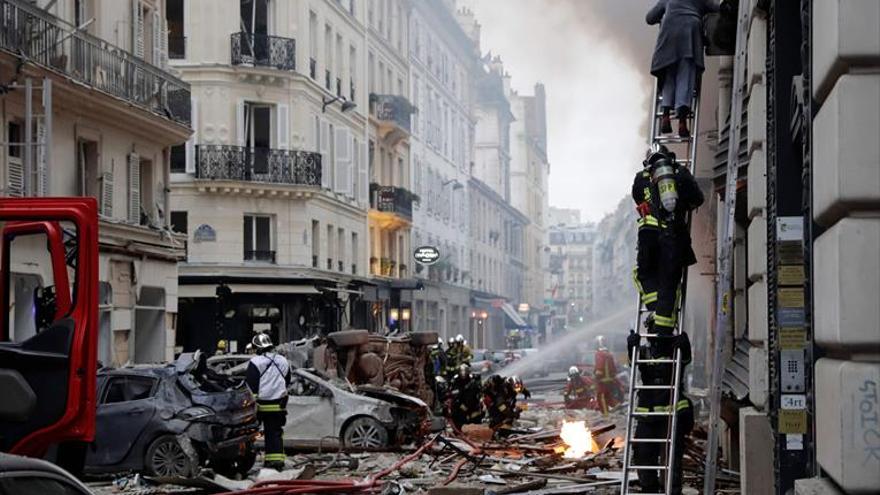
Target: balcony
x,y
393,114
263,50
264,256
43,39
391,205
272,166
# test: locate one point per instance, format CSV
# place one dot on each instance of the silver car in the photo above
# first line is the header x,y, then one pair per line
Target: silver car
x,y
321,412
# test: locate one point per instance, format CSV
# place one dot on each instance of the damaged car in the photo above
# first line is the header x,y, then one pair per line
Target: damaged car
x,y
329,412
167,420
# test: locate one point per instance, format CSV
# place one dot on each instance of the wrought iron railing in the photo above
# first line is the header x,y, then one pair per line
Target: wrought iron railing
x,y
41,38
391,199
392,108
263,50
268,256
224,162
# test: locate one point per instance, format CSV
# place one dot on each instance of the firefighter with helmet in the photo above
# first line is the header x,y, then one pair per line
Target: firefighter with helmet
x,y
577,393
605,377
500,401
664,192
465,406
268,376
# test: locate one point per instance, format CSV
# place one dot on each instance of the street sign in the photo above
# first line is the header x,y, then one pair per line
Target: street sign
x,y
426,255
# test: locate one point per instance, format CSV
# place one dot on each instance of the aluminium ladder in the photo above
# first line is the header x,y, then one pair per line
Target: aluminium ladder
x,y
688,145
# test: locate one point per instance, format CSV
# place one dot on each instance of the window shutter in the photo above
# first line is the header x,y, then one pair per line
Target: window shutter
x,y
137,28
134,188
343,161
42,183
363,183
163,43
15,178
316,133
191,142
325,155
240,122
107,194
157,39
283,127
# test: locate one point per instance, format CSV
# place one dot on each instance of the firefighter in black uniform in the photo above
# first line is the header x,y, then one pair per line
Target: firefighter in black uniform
x,y
464,394
500,401
664,192
660,400
268,376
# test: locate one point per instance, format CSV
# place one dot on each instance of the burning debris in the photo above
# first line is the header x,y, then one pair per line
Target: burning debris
x,y
578,439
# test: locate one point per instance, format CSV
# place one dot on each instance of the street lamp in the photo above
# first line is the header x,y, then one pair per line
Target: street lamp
x,y
346,105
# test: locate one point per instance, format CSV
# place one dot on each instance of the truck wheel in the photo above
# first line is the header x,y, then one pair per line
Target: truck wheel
x,y
166,458
348,338
423,338
365,433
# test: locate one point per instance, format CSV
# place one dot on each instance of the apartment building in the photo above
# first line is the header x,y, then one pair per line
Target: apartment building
x,y
571,269
390,128
443,61
90,109
529,171
272,191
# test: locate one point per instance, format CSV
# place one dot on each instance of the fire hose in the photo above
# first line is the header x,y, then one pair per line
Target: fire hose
x,y
291,487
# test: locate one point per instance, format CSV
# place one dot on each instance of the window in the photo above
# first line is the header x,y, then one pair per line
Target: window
x,y
258,238
328,56
354,252
340,254
179,222
258,135
128,388
329,247
316,242
148,212
352,71
175,26
313,45
87,168
178,159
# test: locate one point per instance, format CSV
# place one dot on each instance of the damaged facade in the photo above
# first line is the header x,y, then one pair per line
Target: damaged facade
x,y
94,112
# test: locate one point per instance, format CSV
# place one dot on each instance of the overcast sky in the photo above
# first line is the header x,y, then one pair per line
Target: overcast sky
x,y
593,56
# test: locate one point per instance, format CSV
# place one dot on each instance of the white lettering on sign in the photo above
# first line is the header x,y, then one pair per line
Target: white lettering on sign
x,y
869,421
793,401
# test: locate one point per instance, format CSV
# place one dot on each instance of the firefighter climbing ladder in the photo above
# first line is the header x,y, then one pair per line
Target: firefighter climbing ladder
x,y
724,279
689,147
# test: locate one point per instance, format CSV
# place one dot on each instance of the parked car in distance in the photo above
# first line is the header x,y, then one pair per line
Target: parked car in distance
x,y
486,362
332,413
166,420
24,475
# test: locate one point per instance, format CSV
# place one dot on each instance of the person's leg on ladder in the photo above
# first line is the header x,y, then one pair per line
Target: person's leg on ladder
x,y
648,454
685,78
667,91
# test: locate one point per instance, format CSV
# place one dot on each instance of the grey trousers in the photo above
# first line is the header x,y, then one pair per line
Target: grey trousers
x,y
678,86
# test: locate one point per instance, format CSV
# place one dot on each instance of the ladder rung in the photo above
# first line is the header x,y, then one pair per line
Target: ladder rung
x,y
645,468
654,387
655,361
652,413
649,440
668,140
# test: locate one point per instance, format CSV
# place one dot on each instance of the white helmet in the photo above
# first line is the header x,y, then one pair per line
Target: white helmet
x,y
600,342
261,341
459,338
574,371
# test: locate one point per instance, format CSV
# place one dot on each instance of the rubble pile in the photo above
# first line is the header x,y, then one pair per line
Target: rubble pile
x,y
529,459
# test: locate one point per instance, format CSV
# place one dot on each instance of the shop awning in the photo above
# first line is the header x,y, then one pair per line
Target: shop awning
x,y
210,290
511,313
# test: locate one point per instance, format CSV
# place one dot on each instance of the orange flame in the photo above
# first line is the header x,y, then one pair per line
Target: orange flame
x,y
578,438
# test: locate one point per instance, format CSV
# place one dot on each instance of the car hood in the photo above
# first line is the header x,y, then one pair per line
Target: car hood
x,y
392,396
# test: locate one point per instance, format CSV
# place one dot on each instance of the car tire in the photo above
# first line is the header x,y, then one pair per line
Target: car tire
x,y
423,338
365,433
347,338
166,458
